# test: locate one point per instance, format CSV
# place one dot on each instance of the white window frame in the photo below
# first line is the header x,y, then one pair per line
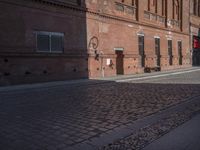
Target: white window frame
x,y
49,34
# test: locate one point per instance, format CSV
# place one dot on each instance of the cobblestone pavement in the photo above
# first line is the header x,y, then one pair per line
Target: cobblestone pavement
x,y
144,136
59,117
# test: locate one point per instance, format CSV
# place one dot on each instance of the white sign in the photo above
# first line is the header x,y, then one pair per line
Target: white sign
x,y
119,49
108,62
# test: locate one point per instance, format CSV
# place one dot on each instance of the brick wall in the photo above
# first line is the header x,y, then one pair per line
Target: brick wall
x,y
21,62
119,29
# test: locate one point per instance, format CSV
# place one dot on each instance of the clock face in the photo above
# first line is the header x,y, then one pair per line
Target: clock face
x,y
94,42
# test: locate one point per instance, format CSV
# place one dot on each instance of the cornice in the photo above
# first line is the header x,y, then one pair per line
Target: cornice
x,y
51,3
60,4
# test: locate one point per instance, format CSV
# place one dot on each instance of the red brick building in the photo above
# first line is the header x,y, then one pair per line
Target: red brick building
x,y
135,34
43,40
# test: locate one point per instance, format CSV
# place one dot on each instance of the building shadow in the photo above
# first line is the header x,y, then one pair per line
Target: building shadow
x,y
42,41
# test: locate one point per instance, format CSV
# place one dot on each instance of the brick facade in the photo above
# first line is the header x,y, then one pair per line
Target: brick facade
x,y
118,24
101,38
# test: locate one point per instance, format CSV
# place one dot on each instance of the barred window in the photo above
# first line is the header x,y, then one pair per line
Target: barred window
x,y
75,2
52,42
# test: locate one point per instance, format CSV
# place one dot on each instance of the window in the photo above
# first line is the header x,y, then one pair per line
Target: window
x,y
141,49
196,42
176,10
133,2
199,8
157,50
170,52
163,7
180,52
194,7
52,42
152,6
149,5
141,44
73,2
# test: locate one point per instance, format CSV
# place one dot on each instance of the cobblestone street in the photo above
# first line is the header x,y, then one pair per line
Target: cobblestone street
x,y
57,118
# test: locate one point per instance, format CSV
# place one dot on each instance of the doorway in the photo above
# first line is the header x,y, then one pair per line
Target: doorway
x,y
119,62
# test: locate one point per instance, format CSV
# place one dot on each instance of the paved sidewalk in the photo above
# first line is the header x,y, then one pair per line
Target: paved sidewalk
x,y
118,78
53,84
185,137
132,77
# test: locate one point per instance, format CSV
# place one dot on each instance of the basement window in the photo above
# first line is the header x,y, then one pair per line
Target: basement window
x,y
51,42
71,2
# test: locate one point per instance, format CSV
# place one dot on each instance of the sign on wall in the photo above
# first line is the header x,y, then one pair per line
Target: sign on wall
x,y
196,42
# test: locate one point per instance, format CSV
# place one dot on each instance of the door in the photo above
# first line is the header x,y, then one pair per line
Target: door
x,y
120,62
